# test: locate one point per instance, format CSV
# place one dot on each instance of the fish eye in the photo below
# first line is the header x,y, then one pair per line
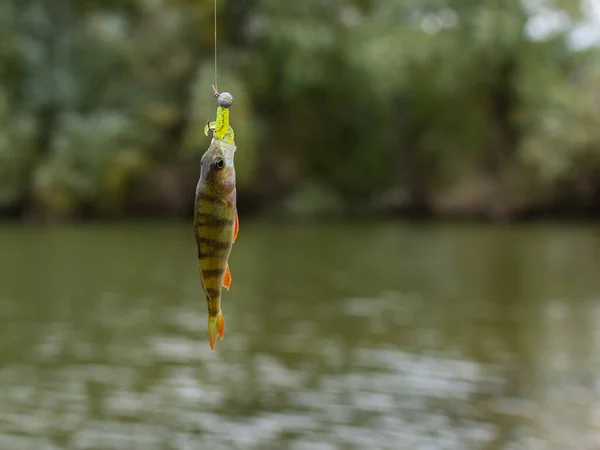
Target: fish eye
x,y
219,163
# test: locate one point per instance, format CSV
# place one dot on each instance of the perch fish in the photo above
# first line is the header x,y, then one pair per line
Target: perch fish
x,y
215,215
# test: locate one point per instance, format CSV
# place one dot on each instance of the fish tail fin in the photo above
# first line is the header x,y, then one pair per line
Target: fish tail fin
x,y
216,327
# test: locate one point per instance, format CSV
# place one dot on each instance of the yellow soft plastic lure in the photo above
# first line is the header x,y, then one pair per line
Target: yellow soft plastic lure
x,y
220,127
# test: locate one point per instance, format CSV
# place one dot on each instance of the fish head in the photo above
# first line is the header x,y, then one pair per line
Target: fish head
x,y
217,173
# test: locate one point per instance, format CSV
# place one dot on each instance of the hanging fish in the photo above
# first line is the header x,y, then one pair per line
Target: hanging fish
x,y
215,215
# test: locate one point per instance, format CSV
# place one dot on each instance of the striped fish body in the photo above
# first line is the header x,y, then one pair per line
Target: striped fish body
x,y
215,228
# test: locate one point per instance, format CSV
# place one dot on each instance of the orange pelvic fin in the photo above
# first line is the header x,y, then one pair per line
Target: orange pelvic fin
x,y
236,227
216,327
227,278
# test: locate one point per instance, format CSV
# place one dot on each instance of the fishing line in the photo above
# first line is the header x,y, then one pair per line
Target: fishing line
x,y
215,87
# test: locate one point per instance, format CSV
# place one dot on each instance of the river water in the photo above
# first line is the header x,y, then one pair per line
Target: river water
x,y
379,336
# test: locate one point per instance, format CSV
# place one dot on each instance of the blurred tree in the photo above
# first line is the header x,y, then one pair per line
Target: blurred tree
x,y
352,105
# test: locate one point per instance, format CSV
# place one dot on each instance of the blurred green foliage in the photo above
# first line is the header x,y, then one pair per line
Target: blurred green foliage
x,y
446,106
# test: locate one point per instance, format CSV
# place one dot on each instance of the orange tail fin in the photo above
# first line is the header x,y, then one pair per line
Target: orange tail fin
x,y
216,327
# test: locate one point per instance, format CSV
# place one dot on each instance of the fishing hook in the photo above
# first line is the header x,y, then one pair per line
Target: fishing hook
x,y
208,125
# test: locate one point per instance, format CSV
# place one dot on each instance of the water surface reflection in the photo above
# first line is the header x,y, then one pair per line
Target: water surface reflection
x,y
389,336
